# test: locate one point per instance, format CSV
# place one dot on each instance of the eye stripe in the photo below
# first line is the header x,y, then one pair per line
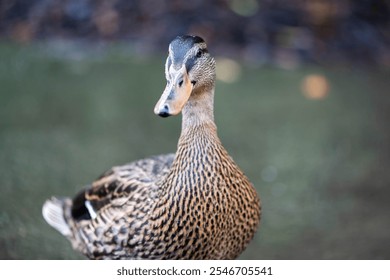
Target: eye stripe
x,y
190,63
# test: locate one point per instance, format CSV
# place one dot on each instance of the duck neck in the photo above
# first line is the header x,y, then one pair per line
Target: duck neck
x,y
198,113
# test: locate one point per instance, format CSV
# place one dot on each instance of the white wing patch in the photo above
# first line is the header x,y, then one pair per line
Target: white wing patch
x,y
90,209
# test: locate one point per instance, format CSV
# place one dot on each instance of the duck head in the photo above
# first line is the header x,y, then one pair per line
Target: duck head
x,y
189,70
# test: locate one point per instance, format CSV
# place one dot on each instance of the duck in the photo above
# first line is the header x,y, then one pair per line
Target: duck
x,y
193,204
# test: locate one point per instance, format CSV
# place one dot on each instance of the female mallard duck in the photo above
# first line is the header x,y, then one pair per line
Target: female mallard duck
x,y
196,204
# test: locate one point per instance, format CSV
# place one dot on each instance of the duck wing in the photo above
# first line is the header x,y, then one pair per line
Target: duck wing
x,y
135,181
117,201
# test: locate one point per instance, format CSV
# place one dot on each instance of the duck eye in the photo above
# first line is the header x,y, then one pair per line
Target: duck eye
x,y
199,53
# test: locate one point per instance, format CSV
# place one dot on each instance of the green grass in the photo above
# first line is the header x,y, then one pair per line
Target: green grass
x,y
66,119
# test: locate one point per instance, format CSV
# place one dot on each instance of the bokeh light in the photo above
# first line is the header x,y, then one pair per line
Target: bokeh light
x,y
315,86
228,70
244,7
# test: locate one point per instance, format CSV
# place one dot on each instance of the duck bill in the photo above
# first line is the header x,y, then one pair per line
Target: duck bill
x,y
175,95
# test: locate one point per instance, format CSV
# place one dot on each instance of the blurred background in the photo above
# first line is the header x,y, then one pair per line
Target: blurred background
x,y
302,105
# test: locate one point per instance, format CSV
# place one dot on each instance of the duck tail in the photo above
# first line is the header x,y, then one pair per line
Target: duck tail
x,y
53,212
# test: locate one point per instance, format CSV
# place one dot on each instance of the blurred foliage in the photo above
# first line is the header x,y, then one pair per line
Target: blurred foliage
x,y
319,164
282,32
